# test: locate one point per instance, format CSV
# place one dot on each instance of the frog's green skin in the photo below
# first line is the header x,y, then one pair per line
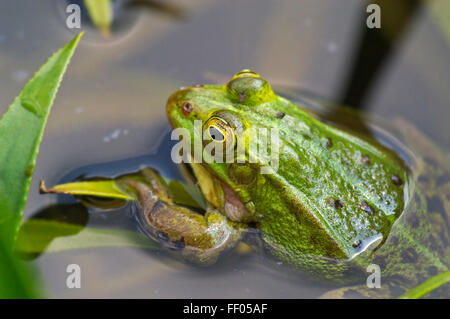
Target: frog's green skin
x,y
336,203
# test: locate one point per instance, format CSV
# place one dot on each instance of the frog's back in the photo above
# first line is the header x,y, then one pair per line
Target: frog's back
x,y
335,192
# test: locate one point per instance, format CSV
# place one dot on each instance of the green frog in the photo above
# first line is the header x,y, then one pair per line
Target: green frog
x,y
322,199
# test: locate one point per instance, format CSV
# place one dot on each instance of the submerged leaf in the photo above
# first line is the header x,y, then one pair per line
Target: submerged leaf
x,y
39,235
427,286
16,278
21,131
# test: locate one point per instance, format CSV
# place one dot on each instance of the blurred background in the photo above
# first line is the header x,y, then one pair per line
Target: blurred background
x,y
111,103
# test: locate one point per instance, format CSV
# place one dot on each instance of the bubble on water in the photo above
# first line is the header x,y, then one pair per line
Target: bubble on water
x,y
332,47
115,135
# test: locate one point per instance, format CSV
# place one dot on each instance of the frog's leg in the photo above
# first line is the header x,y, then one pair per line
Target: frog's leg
x,y
201,237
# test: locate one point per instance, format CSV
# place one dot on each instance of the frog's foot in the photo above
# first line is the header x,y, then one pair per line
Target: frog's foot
x,y
359,292
200,238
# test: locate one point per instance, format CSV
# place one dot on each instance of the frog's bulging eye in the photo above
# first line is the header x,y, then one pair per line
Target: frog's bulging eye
x,y
247,87
218,130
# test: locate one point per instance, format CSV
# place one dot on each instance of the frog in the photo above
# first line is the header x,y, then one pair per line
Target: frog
x,y
330,203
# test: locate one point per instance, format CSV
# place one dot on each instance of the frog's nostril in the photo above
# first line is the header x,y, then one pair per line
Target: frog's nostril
x,y
187,108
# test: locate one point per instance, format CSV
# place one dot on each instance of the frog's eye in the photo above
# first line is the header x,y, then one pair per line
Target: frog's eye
x,y
219,131
247,87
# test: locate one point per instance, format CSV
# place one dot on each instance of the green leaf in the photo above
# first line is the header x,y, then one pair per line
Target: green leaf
x,y
183,194
101,14
21,131
39,235
427,286
16,278
100,188
188,195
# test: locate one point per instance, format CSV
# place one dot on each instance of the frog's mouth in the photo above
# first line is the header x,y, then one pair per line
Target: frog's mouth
x,y
218,194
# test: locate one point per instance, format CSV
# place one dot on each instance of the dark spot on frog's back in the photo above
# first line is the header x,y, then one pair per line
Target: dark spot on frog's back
x,y
366,208
306,137
335,203
357,244
365,160
338,203
409,255
280,115
327,142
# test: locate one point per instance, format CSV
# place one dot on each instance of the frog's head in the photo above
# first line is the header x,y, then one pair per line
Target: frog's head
x,y
221,114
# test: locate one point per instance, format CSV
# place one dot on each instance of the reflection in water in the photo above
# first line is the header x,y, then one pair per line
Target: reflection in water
x,y
74,214
373,51
171,10
122,13
375,47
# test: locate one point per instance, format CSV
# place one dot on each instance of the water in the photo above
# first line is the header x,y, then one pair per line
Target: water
x,y
110,109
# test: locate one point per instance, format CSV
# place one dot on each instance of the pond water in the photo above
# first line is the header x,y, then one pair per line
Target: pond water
x,y
109,114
